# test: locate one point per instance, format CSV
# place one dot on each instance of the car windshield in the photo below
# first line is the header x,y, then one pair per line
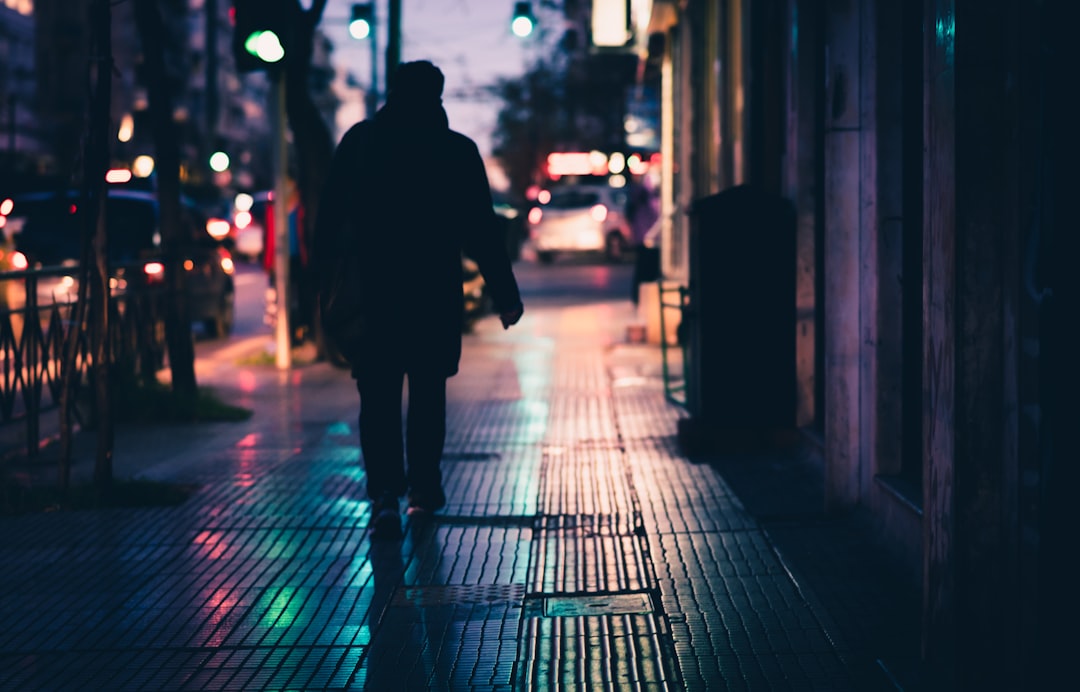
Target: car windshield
x,y
50,229
260,211
572,199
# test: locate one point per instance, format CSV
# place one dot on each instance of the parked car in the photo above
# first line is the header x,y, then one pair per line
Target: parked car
x,y
248,233
580,218
511,223
44,230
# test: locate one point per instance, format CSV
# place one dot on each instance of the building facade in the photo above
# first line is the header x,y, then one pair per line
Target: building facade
x,y
44,81
925,148
21,141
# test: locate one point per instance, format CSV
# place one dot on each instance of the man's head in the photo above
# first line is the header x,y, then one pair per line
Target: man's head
x,y
417,82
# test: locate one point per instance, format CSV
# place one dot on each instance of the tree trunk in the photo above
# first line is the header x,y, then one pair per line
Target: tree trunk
x,y
92,191
97,163
313,141
178,335
312,138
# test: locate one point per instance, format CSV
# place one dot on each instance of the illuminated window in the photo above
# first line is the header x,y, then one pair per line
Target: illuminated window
x,y
610,23
25,7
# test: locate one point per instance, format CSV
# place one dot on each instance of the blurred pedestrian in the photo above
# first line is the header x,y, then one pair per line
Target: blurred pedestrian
x,y
404,198
300,293
643,215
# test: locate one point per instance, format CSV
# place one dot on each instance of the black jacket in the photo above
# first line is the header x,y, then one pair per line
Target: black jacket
x,y
405,197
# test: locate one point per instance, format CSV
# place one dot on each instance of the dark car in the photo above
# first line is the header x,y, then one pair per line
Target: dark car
x,y
511,223
44,230
475,292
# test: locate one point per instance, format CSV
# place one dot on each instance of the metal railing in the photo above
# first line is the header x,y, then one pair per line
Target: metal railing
x,y
35,328
672,297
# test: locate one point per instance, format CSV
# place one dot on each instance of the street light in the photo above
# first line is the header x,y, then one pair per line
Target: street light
x,y
265,45
219,162
362,23
523,21
362,27
260,34
143,166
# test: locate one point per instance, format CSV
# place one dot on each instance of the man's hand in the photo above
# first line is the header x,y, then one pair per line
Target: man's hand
x,y
511,317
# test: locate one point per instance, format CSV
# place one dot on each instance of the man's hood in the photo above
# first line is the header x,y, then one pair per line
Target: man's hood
x,y
413,118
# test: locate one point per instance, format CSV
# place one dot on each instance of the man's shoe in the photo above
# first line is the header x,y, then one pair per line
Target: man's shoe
x,y
426,501
385,518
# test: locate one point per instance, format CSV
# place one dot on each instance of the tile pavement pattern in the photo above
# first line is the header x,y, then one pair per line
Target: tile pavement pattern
x,y
578,550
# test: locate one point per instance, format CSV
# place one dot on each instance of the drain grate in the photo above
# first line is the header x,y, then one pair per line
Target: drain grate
x,y
471,456
458,594
594,604
609,524
492,520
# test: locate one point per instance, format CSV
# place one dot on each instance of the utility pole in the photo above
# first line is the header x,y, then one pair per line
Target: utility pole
x,y
210,141
283,350
364,27
373,92
393,41
11,126
259,43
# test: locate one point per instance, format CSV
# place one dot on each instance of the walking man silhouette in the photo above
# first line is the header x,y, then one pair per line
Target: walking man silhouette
x,y
404,198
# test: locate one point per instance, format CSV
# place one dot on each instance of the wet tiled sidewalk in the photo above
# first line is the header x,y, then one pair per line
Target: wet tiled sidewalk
x,y
579,550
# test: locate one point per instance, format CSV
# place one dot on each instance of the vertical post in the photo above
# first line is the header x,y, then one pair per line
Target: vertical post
x,y
210,141
671,264
11,126
283,352
30,343
373,92
393,40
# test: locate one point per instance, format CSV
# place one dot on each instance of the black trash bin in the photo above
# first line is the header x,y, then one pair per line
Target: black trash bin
x,y
741,314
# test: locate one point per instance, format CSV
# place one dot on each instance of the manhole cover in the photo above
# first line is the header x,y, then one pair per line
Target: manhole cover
x,y
592,604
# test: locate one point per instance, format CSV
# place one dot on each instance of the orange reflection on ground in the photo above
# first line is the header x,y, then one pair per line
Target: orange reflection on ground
x,y
247,381
248,440
600,277
211,544
245,478
220,605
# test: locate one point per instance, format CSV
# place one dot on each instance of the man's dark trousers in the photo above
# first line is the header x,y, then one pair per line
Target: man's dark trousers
x,y
380,388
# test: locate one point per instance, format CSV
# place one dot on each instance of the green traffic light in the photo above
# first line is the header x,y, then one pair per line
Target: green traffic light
x,y
359,29
362,21
523,21
522,26
265,45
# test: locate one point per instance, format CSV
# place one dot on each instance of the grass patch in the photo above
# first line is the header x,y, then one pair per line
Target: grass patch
x,y
258,358
304,354
155,403
19,499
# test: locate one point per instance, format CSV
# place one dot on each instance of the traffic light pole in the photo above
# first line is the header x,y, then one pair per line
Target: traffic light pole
x,y
373,92
393,40
283,351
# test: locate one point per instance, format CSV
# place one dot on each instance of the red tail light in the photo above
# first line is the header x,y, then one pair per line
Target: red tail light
x,y
155,272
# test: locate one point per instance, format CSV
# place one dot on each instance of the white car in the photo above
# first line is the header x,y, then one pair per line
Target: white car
x,y
248,230
580,219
